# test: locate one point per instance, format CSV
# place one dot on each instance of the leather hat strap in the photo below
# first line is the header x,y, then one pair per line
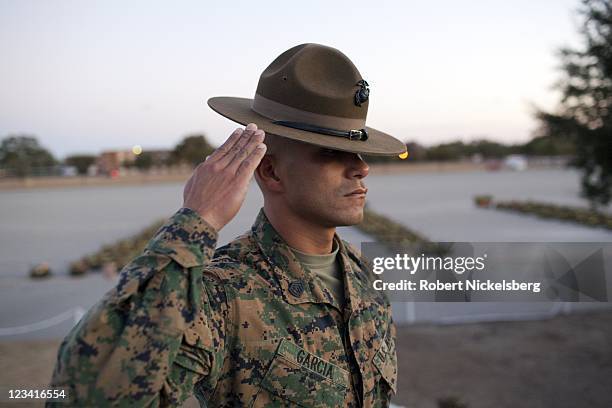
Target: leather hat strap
x,y
353,134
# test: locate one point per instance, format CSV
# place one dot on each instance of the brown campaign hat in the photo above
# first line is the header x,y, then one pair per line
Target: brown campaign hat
x,y
314,94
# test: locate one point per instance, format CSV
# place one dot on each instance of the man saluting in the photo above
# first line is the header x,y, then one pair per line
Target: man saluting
x,y
285,314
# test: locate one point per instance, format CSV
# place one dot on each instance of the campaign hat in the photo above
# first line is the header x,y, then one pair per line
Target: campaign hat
x,y
312,93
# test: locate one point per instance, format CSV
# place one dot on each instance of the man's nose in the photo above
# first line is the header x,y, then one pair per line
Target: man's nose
x,y
358,168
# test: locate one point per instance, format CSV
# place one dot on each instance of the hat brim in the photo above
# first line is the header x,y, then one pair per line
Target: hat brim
x,y
239,110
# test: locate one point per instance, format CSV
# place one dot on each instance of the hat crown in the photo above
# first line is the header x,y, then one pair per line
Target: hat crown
x,y
314,78
314,94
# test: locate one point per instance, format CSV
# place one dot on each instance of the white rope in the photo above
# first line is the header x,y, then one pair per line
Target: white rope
x,y
75,314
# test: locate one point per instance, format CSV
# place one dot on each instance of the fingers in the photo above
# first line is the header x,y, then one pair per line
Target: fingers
x,y
250,163
245,150
238,147
226,147
244,140
240,138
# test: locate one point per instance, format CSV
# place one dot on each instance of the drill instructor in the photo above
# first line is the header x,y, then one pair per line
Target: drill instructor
x,y
284,315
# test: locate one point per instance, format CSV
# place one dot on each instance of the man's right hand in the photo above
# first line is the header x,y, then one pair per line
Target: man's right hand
x,y
218,186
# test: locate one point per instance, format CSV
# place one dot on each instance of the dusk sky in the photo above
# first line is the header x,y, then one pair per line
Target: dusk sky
x,y
85,76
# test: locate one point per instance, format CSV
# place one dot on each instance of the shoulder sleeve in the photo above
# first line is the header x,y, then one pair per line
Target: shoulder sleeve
x,y
156,333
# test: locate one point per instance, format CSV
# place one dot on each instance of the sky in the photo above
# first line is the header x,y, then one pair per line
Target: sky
x,y
88,76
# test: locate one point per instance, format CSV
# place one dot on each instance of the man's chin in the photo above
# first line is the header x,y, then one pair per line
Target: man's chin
x,y
335,217
349,219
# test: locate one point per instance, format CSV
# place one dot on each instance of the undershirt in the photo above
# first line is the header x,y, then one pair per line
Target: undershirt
x,y
327,268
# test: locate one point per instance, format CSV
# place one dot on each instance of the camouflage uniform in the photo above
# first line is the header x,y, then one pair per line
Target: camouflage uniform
x,y
249,327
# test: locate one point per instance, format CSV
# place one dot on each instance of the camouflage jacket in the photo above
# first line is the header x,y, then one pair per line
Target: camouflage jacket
x,y
247,327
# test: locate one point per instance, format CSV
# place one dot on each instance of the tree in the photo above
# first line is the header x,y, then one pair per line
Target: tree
x,y
81,162
584,112
416,151
144,161
548,146
447,151
192,149
21,155
489,149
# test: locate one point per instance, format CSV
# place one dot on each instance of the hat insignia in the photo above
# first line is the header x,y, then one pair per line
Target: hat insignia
x,y
363,93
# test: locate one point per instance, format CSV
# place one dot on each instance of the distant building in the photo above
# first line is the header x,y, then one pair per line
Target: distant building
x,y
110,162
68,171
93,170
159,157
516,162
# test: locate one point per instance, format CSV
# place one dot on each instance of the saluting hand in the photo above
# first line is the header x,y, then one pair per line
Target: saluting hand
x,y
218,186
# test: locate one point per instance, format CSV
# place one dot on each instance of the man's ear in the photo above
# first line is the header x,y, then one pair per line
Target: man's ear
x,y
267,174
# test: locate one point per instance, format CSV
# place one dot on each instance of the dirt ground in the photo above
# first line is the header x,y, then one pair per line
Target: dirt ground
x,y
562,362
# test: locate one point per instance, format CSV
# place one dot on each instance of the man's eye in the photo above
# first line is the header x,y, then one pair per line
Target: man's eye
x,y
330,152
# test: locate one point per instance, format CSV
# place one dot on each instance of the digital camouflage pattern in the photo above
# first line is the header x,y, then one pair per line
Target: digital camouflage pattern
x,y
247,327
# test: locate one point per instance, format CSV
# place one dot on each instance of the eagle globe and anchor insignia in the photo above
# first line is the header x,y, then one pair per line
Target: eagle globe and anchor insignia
x,y
363,93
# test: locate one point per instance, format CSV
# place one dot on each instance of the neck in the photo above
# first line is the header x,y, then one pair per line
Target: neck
x,y
300,233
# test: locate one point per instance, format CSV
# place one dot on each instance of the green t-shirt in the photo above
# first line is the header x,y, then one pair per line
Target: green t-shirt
x,y
327,268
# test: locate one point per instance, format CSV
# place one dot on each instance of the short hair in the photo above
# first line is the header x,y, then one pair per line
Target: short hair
x,y
279,147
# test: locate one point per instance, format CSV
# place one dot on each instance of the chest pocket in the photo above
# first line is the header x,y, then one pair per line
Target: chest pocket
x,y
385,360
297,377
